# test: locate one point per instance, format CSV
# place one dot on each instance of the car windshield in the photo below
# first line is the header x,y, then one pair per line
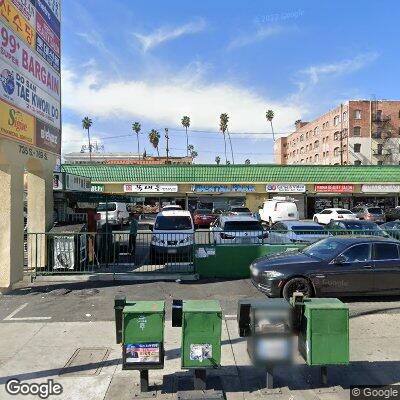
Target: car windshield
x,y
240,209
391,225
324,249
344,212
243,226
375,210
362,226
173,223
305,229
107,207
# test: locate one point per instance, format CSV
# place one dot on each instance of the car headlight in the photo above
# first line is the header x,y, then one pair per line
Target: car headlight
x,y
272,274
254,270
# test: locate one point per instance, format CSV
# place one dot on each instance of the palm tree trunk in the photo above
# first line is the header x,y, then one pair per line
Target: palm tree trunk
x,y
273,134
230,142
187,143
226,158
158,153
90,146
138,146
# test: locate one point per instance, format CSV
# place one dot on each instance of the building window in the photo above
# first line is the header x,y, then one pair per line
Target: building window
x,y
345,116
326,124
316,131
336,151
316,144
357,131
336,136
357,147
301,138
336,120
357,114
316,158
357,162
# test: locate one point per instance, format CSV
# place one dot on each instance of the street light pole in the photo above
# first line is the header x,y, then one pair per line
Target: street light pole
x,y
167,139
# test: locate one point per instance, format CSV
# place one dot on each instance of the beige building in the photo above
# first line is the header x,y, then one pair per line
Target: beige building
x,y
357,132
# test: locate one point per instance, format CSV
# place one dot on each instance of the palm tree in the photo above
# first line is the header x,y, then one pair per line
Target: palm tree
x,y
154,137
186,124
247,162
86,124
136,127
193,153
270,116
218,160
223,126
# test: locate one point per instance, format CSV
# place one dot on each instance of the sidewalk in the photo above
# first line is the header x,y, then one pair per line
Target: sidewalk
x,y
37,351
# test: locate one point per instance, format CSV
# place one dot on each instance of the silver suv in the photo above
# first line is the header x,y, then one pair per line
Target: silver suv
x,y
369,213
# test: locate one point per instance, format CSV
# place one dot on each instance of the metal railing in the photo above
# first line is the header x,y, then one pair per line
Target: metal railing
x,y
123,252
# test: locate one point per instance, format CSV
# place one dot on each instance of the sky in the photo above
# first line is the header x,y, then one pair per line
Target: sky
x,y
156,61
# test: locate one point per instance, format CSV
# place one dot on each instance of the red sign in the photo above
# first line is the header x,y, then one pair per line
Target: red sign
x,y
47,34
334,188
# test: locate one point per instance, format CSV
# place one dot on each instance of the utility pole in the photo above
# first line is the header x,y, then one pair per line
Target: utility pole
x,y
167,139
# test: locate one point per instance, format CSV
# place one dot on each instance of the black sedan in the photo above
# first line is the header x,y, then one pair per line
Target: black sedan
x,y
336,266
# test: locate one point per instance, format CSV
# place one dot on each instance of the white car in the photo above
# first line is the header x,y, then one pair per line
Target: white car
x,y
115,213
238,229
296,232
173,235
279,209
171,207
332,214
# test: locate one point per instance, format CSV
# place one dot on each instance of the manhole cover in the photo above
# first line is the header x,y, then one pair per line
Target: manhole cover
x,y
86,361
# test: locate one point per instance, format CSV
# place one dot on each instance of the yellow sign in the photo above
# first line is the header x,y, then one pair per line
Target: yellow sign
x,y
16,124
16,21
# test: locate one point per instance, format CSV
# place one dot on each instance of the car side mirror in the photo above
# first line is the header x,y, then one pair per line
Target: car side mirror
x,y
340,260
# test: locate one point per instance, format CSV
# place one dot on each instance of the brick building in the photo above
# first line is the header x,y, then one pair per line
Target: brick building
x,y
356,132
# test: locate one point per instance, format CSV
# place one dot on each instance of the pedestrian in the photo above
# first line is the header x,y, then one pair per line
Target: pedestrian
x,y
133,233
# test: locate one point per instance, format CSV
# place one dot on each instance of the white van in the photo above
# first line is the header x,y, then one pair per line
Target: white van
x,y
279,209
173,235
117,213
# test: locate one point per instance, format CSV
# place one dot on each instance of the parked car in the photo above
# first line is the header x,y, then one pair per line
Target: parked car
x,y
334,267
369,213
330,214
296,232
358,227
229,229
116,213
171,207
173,235
203,217
393,214
279,209
392,228
234,210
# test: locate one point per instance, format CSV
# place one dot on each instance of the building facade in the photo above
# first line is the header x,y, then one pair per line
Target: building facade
x,y
357,132
122,158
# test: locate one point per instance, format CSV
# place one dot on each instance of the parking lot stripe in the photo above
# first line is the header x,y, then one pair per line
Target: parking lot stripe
x,y
15,312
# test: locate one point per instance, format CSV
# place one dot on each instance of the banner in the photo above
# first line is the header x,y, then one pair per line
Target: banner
x,y
21,56
45,32
44,10
47,53
17,89
27,9
16,21
48,137
55,7
16,124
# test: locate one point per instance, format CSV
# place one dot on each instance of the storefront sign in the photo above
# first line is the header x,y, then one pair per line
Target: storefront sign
x,y
47,53
16,20
97,188
28,10
45,11
15,52
335,188
211,188
70,182
45,32
286,188
150,188
15,124
17,89
380,188
55,7
243,188
48,137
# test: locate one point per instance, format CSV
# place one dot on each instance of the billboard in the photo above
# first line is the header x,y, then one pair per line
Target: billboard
x,y
45,11
45,32
48,137
55,7
15,19
17,89
15,52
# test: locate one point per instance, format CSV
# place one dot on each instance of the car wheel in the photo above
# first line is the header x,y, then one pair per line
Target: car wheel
x,y
297,285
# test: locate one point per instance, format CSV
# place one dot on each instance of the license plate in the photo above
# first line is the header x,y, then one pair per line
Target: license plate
x,y
172,251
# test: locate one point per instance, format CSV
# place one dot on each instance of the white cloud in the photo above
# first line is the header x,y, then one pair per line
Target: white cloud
x,y
165,34
74,137
260,35
315,72
163,102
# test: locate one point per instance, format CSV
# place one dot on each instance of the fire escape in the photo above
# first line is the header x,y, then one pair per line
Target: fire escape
x,y
382,132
